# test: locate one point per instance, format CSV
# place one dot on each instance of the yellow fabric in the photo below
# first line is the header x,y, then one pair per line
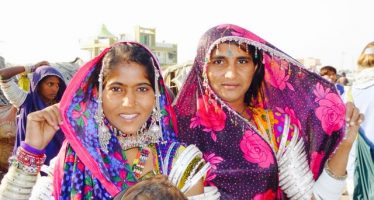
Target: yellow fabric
x,y
24,82
264,120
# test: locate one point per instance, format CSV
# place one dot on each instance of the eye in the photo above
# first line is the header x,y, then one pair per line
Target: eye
x,y
143,89
217,61
243,61
49,84
115,89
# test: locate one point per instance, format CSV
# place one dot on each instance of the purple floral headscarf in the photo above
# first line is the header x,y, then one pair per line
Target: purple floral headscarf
x,y
84,170
244,165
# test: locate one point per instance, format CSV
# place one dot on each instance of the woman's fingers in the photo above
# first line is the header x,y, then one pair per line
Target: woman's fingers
x,y
54,113
349,111
353,119
41,126
49,115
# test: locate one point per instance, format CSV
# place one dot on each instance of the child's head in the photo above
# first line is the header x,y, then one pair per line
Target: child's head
x,y
329,73
156,188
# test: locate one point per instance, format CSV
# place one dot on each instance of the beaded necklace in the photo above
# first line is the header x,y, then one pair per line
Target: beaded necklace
x,y
139,162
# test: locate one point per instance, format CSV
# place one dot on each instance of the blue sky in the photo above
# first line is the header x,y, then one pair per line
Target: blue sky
x,y
333,30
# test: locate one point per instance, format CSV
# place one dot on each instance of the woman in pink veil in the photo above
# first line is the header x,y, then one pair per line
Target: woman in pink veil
x,y
266,124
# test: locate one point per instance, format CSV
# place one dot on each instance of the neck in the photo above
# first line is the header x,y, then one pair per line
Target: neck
x,y
48,102
238,106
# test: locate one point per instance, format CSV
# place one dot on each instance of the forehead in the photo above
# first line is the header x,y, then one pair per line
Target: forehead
x,y
230,50
128,72
51,79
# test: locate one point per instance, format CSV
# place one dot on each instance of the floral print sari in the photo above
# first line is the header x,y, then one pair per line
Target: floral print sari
x,y
243,152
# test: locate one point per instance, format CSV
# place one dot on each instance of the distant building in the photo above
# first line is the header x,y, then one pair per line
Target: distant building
x,y
100,42
312,64
165,52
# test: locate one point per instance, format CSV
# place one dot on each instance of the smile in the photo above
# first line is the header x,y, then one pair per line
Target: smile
x,y
129,117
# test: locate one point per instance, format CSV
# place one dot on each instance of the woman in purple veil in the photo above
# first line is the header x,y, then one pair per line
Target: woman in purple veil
x,y
46,88
266,125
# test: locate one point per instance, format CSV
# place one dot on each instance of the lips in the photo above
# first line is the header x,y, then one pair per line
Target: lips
x,y
129,117
230,86
52,96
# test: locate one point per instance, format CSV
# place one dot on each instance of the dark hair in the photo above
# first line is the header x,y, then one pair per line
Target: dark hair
x,y
156,188
327,70
255,90
124,52
60,89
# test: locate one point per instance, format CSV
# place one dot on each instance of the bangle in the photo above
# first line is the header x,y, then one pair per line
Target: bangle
x,y
332,175
31,149
28,68
29,162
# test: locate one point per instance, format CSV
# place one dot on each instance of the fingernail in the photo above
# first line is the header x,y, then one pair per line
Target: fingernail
x,y
61,123
352,123
347,119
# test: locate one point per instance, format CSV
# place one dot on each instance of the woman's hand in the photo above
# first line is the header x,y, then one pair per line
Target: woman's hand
x,y
353,119
42,125
338,162
39,64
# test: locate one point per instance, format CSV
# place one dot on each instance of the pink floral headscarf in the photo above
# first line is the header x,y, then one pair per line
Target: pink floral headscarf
x,y
312,104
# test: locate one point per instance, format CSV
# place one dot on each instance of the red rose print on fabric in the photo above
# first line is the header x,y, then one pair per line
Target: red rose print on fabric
x,y
213,160
209,115
276,73
315,163
268,195
256,150
331,110
291,113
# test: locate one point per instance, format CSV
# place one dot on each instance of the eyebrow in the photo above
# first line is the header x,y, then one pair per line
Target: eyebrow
x,y
218,57
223,57
245,57
121,84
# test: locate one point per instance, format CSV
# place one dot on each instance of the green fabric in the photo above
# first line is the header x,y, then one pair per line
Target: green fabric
x,y
364,171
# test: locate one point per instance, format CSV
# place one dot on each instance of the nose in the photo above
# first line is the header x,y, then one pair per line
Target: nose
x,y
231,71
128,100
55,88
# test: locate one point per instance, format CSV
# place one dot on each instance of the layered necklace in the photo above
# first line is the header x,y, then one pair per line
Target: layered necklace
x,y
141,138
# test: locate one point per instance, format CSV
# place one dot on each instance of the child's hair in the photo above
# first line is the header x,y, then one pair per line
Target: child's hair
x,y
156,188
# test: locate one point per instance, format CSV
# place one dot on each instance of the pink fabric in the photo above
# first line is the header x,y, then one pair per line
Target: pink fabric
x,y
82,152
58,172
256,150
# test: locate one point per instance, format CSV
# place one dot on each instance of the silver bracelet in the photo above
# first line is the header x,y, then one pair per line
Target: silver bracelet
x,y
332,175
28,68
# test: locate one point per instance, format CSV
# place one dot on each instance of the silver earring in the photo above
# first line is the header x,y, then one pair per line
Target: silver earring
x,y
103,131
154,128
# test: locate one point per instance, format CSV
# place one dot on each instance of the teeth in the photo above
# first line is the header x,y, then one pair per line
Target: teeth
x,y
128,117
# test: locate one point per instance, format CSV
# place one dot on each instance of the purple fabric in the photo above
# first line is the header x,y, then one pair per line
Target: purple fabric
x,y
34,103
31,149
244,163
